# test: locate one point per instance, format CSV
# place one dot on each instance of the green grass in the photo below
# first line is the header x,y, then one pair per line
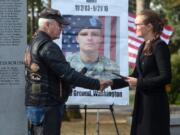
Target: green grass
x,y
178,100
131,97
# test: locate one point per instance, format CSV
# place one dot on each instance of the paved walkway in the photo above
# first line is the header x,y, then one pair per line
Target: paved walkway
x,y
174,109
128,109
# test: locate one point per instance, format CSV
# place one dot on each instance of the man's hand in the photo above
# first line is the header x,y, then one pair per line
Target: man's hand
x,y
104,84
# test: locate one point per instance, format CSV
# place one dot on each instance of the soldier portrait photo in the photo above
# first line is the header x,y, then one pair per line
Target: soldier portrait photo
x,y
86,32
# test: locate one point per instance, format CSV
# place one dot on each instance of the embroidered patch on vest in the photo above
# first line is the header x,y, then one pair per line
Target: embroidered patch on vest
x,y
36,88
35,76
34,67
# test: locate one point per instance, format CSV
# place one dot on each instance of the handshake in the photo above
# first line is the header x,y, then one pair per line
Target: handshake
x,y
104,84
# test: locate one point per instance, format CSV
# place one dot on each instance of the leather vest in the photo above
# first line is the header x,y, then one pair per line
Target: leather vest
x,y
43,87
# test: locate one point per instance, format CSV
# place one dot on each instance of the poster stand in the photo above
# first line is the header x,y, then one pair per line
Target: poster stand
x,y
110,107
97,128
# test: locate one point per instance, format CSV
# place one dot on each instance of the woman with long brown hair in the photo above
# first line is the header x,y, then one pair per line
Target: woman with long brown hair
x,y
151,74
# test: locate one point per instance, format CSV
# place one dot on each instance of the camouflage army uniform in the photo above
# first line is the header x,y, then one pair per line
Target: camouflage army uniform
x,y
101,69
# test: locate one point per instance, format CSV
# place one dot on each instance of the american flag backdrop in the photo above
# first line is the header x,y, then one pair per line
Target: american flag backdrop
x,y
110,32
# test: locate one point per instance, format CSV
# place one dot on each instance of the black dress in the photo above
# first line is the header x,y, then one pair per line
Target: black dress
x,y
151,107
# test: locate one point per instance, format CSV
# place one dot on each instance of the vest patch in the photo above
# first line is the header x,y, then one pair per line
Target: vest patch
x,y
34,67
36,88
35,76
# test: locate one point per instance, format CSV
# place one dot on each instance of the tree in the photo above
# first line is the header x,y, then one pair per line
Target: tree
x,y
132,6
31,19
175,61
170,9
33,9
49,3
142,4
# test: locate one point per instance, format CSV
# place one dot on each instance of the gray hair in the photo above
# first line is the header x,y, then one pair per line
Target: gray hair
x,y
42,21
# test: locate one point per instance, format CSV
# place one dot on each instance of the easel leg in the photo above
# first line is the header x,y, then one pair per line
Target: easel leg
x,y
97,122
112,112
85,107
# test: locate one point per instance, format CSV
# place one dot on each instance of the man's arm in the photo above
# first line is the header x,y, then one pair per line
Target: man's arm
x,y
104,84
55,60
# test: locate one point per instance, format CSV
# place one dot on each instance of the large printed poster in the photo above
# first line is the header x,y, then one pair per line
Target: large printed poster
x,y
96,40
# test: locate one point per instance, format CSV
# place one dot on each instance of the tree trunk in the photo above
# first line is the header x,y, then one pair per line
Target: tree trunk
x,y
49,3
142,4
32,18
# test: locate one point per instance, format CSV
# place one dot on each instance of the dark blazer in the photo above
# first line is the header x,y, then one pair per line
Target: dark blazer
x,y
151,107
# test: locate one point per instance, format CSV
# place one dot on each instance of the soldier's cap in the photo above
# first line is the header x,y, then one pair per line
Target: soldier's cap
x,y
49,13
88,22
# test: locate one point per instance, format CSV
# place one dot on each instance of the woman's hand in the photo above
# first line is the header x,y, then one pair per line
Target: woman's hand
x,y
131,81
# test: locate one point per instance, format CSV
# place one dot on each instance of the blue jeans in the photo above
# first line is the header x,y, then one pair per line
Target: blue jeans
x,y
44,120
